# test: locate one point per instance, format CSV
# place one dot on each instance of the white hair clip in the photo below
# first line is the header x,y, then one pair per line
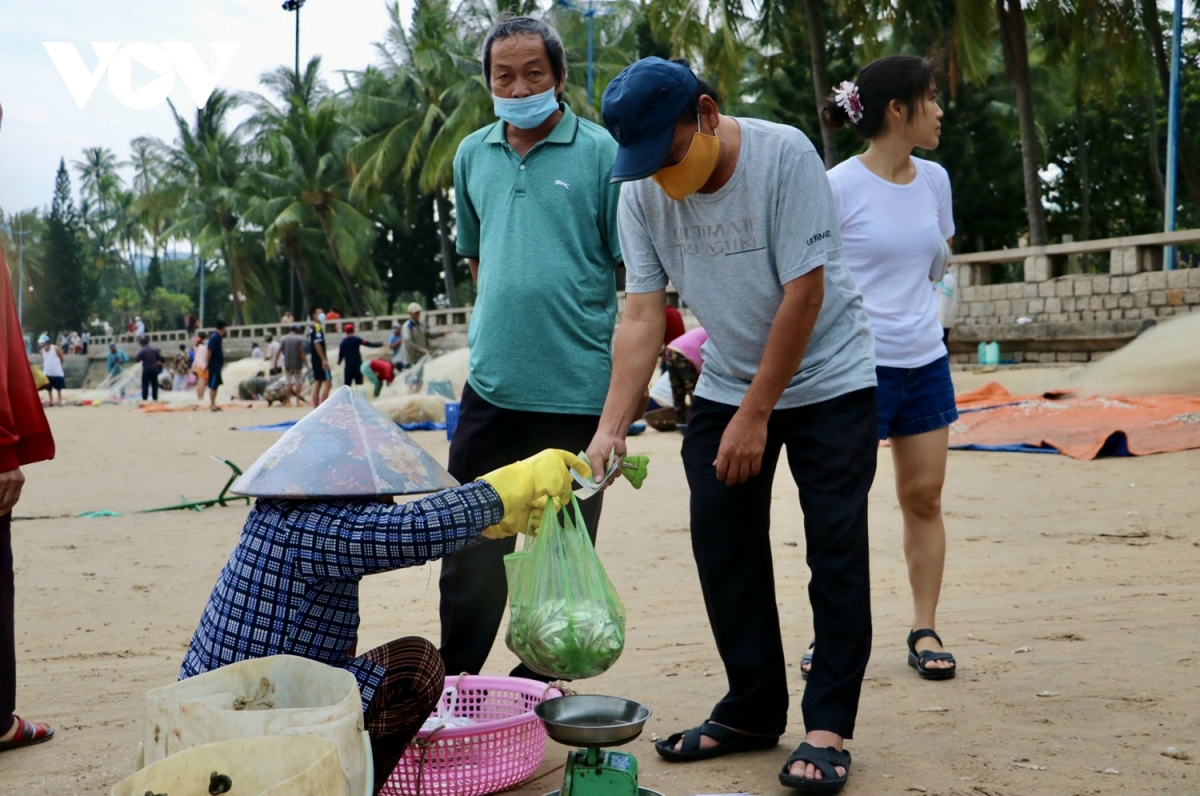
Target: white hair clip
x,y
846,96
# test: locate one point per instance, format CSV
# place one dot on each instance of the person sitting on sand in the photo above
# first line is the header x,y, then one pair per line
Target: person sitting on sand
x,y
325,517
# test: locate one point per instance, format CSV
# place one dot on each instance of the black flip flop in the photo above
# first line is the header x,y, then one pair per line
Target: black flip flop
x,y
825,758
921,660
806,660
728,743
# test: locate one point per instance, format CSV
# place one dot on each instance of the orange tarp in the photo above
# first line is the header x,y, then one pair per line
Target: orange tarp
x,y
155,408
1078,427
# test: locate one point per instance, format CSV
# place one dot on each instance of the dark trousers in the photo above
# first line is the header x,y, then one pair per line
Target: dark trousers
x,y
831,449
411,688
353,374
149,384
8,646
473,585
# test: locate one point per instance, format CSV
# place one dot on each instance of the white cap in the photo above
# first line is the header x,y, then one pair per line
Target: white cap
x,y
414,307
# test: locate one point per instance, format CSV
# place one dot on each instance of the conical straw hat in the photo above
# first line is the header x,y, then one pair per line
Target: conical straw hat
x,y
344,448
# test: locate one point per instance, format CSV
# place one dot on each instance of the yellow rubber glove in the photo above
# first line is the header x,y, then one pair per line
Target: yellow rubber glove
x,y
544,475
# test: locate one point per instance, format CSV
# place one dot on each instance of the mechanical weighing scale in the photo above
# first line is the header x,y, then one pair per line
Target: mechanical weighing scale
x,y
596,723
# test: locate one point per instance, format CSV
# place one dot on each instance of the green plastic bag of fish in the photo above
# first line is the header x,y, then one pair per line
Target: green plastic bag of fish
x,y
566,620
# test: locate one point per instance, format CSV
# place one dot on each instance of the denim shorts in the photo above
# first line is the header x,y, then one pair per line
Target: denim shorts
x,y
915,400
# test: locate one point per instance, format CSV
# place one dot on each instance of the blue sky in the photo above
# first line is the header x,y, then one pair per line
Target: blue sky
x,y
43,123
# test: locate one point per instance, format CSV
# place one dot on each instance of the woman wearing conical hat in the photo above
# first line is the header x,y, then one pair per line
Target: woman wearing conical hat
x,y
325,518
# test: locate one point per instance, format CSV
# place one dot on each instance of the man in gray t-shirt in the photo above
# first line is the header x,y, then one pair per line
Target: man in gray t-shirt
x,y
738,215
292,351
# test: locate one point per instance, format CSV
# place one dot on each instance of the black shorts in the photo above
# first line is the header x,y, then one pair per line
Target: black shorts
x,y
214,379
319,373
57,382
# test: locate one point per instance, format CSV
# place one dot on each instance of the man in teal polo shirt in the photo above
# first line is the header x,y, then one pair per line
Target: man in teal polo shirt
x,y
537,223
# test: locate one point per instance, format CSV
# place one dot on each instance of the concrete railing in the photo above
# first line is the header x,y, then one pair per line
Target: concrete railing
x,y
1056,314
1060,314
455,319
1127,255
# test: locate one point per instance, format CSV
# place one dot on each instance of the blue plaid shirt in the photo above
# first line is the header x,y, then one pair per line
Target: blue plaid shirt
x,y
291,585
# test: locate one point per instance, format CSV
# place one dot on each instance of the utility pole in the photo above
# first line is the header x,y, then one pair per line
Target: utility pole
x,y
1173,136
20,234
200,261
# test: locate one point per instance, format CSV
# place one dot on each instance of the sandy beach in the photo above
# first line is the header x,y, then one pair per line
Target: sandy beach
x,y
1089,566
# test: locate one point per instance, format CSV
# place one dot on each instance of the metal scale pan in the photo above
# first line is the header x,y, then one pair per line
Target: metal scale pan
x,y
594,721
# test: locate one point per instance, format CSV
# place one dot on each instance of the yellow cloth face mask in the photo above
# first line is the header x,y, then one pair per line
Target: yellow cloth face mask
x,y
689,175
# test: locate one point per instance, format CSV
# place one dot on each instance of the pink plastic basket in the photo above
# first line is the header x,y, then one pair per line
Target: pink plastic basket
x,y
502,750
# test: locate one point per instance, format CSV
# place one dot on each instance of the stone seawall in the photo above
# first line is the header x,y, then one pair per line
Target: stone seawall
x,y
1072,318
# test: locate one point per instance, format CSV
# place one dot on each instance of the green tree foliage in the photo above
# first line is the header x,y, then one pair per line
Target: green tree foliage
x,y
980,152
408,252
29,253
64,291
1055,124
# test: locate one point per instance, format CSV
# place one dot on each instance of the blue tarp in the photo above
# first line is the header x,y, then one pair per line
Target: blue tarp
x,y
284,426
1015,448
424,425
1115,445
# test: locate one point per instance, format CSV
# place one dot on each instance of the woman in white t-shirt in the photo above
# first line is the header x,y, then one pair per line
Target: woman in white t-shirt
x,y
896,223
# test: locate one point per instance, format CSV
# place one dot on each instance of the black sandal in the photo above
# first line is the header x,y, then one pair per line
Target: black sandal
x,y
921,660
806,660
728,742
825,758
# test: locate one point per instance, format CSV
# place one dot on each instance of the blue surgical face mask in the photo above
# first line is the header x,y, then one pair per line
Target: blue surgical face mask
x,y
320,317
527,112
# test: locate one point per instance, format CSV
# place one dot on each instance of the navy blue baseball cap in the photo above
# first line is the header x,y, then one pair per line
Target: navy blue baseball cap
x,y
640,108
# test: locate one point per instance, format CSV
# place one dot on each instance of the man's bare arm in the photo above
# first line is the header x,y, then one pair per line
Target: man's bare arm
x,y
635,353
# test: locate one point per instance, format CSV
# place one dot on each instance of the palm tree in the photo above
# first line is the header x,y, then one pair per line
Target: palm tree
x,y
300,245
99,184
974,23
282,84
1013,43
712,34
1084,40
415,108
98,177
777,23
615,47
306,182
157,197
208,160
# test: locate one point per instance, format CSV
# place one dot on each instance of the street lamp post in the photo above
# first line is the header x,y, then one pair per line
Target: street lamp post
x,y
1173,135
200,262
290,6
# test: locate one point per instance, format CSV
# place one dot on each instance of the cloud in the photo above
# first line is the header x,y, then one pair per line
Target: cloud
x,y
42,123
